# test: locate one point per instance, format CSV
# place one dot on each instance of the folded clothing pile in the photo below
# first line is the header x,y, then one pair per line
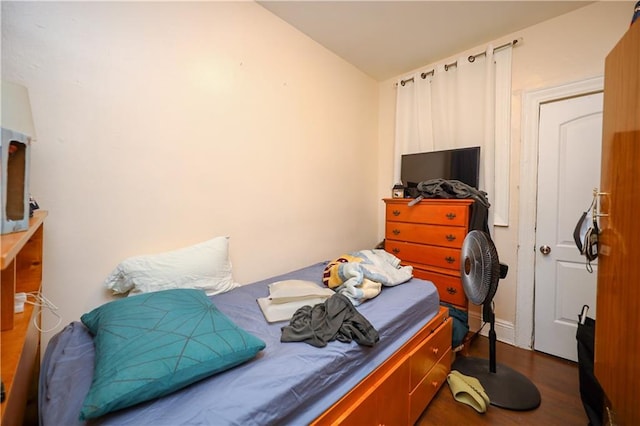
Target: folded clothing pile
x,y
286,297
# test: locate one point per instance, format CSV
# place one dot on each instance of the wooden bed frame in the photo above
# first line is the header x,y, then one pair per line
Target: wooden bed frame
x,y
399,390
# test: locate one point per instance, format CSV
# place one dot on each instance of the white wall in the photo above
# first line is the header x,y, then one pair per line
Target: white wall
x,y
568,48
164,124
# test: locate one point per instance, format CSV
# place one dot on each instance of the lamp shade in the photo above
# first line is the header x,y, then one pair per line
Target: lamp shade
x,y
16,109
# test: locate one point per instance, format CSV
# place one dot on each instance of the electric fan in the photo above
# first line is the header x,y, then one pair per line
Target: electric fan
x,y
480,271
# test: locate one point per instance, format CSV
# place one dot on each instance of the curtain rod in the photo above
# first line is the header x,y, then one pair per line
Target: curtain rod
x,y
471,58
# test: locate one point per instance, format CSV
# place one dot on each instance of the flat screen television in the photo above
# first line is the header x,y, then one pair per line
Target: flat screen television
x,y
462,164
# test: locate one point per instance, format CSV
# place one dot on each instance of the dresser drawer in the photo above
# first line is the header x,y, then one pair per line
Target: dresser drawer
x,y
445,236
443,257
437,214
427,355
427,388
449,286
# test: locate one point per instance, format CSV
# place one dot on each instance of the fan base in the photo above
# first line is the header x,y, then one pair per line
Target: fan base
x,y
506,388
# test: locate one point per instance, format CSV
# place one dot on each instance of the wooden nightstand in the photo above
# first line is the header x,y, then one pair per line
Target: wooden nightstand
x,y
20,351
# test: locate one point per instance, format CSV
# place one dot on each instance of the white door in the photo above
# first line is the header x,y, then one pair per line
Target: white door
x,y
570,139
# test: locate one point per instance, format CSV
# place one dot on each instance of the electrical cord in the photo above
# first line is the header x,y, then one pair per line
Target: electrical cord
x,y
41,302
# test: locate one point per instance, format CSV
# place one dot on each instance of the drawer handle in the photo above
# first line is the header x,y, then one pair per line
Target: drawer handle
x,y
434,384
450,237
396,212
450,259
396,232
451,216
451,290
395,250
435,351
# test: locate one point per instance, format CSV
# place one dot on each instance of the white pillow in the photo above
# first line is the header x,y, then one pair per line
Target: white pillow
x,y
275,312
294,290
204,266
286,297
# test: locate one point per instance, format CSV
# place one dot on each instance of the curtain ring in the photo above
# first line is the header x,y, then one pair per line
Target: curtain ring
x,y
472,58
403,82
452,64
425,74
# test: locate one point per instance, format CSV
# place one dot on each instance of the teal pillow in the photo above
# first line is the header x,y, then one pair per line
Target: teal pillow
x,y
153,344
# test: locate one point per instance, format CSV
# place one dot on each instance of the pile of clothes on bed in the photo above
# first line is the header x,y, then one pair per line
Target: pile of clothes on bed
x,y
355,278
360,275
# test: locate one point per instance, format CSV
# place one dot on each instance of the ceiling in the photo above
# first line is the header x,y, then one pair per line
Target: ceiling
x,y
385,39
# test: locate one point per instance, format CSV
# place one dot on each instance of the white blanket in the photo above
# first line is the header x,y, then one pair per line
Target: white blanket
x,y
361,275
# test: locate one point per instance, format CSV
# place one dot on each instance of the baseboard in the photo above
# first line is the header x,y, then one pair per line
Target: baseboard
x,y
505,330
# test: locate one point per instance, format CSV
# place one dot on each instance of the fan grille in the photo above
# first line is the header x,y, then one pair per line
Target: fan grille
x,y
479,268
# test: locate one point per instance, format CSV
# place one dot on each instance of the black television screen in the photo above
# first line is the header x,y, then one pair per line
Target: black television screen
x,y
462,164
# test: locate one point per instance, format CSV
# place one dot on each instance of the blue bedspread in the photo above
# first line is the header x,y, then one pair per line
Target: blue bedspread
x,y
287,383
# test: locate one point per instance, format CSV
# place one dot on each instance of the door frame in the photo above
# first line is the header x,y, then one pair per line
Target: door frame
x,y
525,281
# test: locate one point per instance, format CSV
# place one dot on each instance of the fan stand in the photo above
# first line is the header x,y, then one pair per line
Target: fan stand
x,y
505,387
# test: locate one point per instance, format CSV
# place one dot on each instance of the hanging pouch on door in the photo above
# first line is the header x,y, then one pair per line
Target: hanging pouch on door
x,y
586,233
591,242
580,232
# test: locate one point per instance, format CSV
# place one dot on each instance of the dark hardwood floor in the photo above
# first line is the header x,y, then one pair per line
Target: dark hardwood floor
x,y
555,378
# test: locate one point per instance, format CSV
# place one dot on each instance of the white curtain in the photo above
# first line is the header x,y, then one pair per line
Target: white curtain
x,y
458,105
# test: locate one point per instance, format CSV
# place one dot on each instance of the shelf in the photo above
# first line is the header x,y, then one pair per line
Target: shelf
x,y
21,265
19,359
20,356
13,243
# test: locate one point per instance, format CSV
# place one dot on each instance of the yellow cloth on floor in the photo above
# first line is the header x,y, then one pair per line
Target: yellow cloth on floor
x,y
468,390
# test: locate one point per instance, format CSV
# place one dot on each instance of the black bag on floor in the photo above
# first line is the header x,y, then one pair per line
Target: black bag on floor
x,y
590,391
460,325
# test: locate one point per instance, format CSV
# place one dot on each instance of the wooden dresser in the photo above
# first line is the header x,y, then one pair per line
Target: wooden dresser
x,y
20,350
429,236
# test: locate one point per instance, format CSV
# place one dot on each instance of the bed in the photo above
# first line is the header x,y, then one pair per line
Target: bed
x,y
285,383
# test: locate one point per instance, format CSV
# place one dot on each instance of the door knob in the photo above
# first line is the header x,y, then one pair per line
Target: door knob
x,y
545,250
